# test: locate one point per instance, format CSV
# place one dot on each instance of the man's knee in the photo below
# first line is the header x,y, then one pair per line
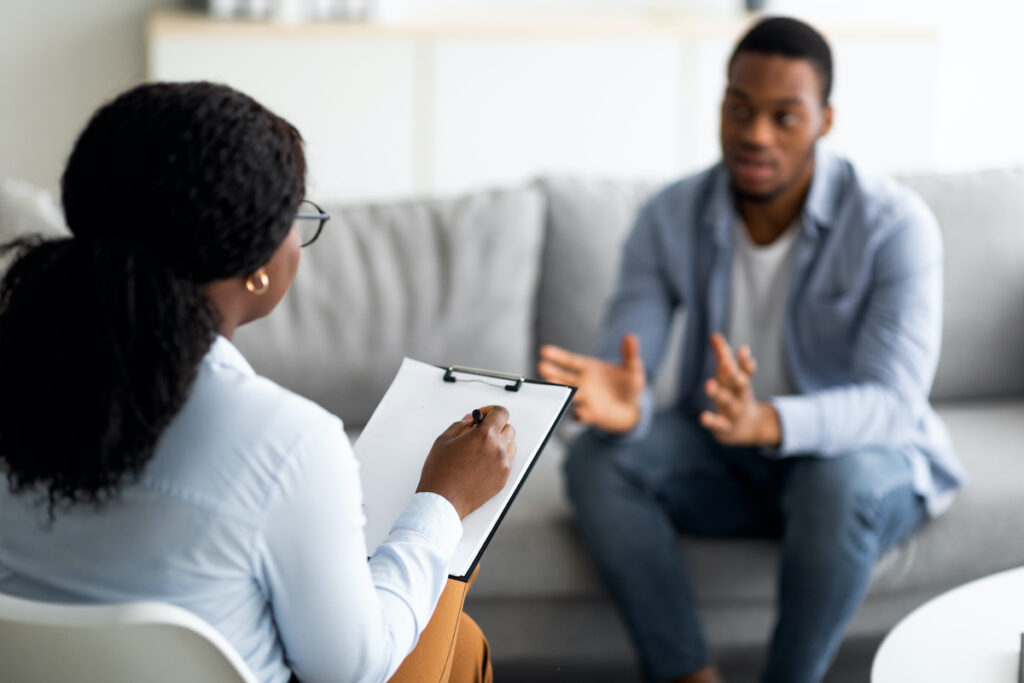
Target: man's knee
x,y
850,497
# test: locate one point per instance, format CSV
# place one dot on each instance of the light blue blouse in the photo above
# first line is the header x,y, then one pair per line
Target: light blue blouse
x,y
250,516
863,314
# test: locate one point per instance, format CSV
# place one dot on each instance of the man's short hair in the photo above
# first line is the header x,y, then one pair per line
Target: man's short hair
x,y
793,39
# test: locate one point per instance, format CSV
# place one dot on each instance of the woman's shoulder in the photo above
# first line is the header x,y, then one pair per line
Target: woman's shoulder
x,y
236,432
226,377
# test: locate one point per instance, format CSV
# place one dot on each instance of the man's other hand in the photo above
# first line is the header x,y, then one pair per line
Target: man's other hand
x,y
609,394
738,419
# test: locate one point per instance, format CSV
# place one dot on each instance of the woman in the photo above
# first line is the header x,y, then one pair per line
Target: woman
x,y
145,459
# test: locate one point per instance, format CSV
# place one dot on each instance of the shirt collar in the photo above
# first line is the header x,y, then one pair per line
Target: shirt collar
x,y
223,352
819,207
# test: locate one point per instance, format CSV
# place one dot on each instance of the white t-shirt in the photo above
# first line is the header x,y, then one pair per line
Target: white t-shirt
x,y
760,283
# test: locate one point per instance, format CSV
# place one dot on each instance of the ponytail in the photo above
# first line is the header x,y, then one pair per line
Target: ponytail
x,y
98,348
170,186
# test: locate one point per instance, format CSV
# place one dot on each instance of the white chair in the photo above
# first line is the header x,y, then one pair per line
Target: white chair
x,y
140,642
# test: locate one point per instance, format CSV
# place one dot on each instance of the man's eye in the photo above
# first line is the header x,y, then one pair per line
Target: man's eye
x,y
787,119
738,111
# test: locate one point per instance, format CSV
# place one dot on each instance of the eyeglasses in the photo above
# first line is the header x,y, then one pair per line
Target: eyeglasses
x,y
310,220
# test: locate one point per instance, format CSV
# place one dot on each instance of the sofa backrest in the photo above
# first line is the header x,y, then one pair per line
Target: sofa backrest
x,y
26,210
450,282
483,279
587,222
980,214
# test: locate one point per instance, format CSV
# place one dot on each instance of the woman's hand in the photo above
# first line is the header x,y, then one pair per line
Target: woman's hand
x,y
470,463
609,394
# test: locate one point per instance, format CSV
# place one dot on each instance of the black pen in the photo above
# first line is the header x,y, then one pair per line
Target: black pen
x,y
478,417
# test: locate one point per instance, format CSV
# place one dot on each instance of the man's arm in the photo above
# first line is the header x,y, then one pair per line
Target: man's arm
x,y
613,395
643,305
896,350
642,302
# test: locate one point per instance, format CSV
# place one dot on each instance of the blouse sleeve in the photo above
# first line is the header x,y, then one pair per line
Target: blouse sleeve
x,y
339,616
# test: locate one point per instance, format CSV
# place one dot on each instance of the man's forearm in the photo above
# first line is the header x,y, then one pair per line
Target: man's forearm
x,y
842,418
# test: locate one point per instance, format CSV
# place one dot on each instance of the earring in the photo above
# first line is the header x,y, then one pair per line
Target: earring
x,y
258,282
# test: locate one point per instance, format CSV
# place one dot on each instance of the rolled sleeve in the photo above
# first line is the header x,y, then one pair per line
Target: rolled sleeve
x,y
801,422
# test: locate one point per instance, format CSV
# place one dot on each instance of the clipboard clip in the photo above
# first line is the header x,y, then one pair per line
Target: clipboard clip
x,y
517,380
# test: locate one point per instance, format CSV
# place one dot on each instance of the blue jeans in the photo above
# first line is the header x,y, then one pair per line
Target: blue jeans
x,y
834,517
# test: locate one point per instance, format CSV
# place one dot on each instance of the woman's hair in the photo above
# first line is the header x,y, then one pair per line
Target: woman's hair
x,y
169,187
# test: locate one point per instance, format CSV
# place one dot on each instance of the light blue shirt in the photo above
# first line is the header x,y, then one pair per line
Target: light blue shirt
x,y
250,516
863,313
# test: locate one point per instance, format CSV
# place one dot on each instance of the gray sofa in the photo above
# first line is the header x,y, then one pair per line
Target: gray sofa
x,y
484,278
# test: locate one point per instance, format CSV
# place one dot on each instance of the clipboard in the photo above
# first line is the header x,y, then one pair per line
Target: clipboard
x,y
424,400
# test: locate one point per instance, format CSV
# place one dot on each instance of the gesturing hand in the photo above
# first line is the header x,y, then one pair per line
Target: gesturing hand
x,y
739,419
609,394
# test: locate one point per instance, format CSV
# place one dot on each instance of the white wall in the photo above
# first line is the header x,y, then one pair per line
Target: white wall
x,y
975,103
60,60
978,98
444,108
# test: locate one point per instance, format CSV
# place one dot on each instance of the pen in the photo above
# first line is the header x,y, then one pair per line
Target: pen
x,y
478,417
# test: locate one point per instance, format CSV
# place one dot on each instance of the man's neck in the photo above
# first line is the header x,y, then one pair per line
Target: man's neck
x,y
766,221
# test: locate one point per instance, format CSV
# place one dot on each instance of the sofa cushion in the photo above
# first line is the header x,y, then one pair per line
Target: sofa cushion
x,y
26,209
537,553
980,534
444,281
587,221
980,215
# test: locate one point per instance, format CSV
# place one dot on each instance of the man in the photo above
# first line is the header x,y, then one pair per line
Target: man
x,y
817,430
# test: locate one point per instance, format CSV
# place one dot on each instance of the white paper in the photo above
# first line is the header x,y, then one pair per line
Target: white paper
x,y
417,407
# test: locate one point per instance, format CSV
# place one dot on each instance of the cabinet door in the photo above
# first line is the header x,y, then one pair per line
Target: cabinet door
x,y
509,108
352,100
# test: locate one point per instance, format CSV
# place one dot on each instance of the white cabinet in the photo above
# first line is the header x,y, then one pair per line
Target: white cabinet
x,y
353,100
506,109
394,110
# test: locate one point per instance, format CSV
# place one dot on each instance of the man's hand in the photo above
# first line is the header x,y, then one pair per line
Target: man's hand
x,y
739,419
609,394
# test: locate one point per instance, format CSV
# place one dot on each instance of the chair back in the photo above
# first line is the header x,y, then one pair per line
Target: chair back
x,y
141,642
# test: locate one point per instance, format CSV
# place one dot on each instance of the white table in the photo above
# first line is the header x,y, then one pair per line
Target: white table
x,y
970,634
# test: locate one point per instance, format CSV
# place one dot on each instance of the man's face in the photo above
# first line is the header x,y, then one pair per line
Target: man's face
x,y
772,115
